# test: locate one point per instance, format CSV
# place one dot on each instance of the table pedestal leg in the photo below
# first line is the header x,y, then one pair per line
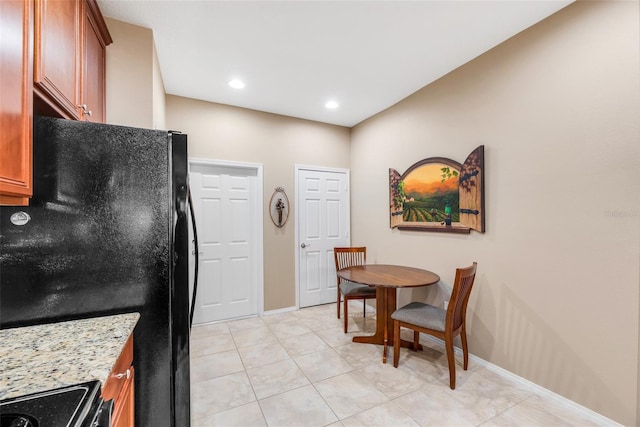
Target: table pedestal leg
x,y
385,306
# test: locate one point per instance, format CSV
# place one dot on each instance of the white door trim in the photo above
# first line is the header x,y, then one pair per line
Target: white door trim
x,y
257,167
298,168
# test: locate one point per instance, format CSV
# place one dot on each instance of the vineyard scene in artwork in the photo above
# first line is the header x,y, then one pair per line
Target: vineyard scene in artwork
x,y
439,194
429,193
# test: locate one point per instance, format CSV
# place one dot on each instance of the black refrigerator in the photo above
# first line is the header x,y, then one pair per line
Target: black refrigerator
x,y
106,233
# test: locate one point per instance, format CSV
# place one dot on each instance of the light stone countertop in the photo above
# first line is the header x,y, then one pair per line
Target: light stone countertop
x,y
43,357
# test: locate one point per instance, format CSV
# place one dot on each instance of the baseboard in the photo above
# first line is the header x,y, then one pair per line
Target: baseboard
x,y
279,311
597,418
223,320
264,313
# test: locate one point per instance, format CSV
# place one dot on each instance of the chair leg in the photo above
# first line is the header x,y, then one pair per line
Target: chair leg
x,y
396,343
364,307
465,349
448,342
338,304
384,346
346,313
416,340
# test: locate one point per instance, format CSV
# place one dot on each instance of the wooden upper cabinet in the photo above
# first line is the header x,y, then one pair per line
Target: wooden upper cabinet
x,y
52,62
57,58
69,59
96,39
16,50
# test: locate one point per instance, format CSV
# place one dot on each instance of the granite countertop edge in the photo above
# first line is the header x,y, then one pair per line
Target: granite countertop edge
x,y
44,357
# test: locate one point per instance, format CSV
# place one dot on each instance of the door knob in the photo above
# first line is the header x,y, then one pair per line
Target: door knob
x,y
303,245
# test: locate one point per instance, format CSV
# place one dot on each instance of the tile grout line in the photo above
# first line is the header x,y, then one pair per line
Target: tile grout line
x,y
311,383
316,332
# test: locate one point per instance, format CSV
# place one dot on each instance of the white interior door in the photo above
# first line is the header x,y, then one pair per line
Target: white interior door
x,y
227,209
323,223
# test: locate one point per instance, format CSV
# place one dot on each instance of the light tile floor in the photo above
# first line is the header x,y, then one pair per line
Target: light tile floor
x,y
300,369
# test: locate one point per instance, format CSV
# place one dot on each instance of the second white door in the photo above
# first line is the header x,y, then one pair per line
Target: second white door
x,y
226,209
323,223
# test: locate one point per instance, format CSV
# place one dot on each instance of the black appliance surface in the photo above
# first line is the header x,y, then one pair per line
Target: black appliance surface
x,y
107,235
73,406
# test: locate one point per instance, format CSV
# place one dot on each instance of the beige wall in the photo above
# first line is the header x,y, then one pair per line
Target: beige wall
x,y
556,300
135,91
159,102
557,108
278,143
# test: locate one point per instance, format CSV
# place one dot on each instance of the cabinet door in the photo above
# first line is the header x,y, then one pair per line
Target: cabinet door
x,y
16,42
57,56
120,387
93,73
123,409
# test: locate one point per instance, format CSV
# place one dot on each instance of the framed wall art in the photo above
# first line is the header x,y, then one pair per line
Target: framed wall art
x,y
279,207
439,194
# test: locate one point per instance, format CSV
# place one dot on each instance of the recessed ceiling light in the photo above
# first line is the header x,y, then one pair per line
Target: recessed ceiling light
x,y
236,84
331,105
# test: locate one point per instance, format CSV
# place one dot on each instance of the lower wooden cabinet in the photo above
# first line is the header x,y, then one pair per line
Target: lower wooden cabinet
x,y
120,387
124,406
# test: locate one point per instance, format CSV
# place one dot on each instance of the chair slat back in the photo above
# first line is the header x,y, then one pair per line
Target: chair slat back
x,y
457,309
348,257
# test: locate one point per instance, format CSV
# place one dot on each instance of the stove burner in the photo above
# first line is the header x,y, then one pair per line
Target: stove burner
x,y
67,406
17,420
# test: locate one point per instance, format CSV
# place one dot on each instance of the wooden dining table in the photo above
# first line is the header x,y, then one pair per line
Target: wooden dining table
x,y
386,279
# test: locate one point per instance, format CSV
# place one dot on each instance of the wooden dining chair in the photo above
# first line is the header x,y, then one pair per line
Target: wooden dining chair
x,y
349,257
436,321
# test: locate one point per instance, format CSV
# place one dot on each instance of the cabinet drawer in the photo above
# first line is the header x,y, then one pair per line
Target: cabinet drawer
x,y
121,372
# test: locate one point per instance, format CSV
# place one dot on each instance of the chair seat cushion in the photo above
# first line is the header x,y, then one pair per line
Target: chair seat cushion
x,y
423,315
350,288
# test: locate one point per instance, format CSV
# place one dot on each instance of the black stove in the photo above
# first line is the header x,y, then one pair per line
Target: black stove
x,y
78,405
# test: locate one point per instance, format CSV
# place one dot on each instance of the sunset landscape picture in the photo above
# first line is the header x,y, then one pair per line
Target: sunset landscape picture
x,y
427,190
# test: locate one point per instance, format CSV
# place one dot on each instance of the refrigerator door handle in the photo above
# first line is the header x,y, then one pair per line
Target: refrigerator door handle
x,y
196,252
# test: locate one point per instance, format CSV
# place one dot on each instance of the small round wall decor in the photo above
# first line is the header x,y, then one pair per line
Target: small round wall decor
x,y
279,207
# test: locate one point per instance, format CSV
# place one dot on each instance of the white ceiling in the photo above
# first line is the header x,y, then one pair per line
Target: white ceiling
x,y
294,56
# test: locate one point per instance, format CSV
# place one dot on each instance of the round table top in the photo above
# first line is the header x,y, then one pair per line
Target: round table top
x,y
394,276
